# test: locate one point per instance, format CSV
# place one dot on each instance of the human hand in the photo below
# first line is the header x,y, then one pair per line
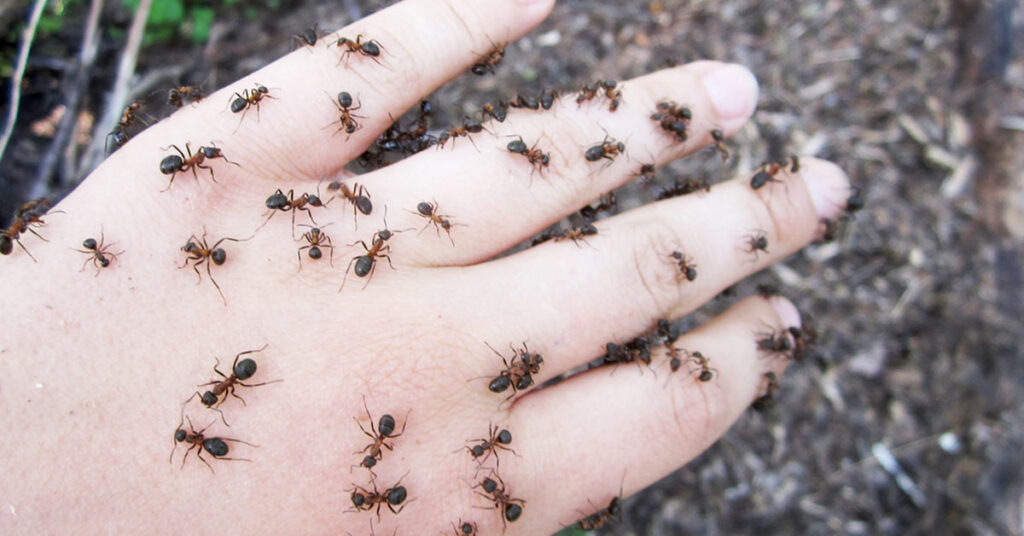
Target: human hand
x,y
96,368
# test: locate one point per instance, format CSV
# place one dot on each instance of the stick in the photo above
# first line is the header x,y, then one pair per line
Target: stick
x,y
27,36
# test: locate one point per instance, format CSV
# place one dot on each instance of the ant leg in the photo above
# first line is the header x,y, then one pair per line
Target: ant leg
x,y
214,281
208,168
345,278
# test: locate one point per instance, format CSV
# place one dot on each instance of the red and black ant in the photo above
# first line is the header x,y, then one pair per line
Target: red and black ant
x,y
524,101
200,253
803,339
636,351
756,243
357,195
487,61
279,201
765,400
240,370
775,343
608,149
588,92
440,221
578,234
646,174
99,254
306,37
25,217
176,96
537,158
315,240
495,491
706,373
497,439
385,430
128,118
688,186
367,262
766,174
346,117
613,95
605,203
370,48
604,515
465,130
687,269
719,138
185,161
365,500
214,446
548,98
241,102
498,113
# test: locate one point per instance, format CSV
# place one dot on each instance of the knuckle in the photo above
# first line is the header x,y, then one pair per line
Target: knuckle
x,y
656,272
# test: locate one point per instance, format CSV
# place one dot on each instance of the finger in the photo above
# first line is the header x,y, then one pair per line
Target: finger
x,y
572,299
294,132
638,427
498,197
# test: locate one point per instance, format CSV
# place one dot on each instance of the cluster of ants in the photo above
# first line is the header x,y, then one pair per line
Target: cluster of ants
x,y
213,397
517,371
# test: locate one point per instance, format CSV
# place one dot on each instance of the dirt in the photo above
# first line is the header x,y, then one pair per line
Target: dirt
x,y
917,304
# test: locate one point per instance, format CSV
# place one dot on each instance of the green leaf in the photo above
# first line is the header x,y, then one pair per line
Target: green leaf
x,y
202,19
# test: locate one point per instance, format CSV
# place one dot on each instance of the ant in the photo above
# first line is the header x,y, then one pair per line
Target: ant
x,y
803,339
637,351
464,529
172,164
498,113
686,267
608,149
756,243
603,516
365,500
688,186
357,195
465,130
120,132
199,252
306,37
604,204
766,174
706,372
214,446
764,401
613,95
854,202
28,215
218,394
279,201
495,491
241,102
775,342
370,48
646,174
489,59
719,138
99,254
537,158
587,92
578,234
345,119
440,221
524,101
176,96
548,98
497,439
315,239
367,263
385,430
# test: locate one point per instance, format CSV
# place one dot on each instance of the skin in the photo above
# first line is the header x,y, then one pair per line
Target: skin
x,y
94,369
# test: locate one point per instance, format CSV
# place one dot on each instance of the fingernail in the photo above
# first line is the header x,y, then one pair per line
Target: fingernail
x,y
788,313
733,90
828,185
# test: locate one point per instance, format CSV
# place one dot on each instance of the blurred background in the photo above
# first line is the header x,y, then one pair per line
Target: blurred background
x,y
906,417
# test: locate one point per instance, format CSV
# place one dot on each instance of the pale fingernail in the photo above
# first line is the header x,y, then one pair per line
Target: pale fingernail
x,y
828,185
788,313
733,91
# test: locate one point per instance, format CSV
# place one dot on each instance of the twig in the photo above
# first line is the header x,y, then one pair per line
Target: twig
x,y
90,42
119,93
28,35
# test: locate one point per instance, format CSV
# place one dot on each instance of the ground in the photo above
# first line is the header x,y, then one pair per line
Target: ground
x,y
917,304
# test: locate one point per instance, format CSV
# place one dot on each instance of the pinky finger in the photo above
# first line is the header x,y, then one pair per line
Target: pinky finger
x,y
601,431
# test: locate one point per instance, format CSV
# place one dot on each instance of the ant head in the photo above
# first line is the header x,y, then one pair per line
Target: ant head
x,y
244,369
219,256
190,247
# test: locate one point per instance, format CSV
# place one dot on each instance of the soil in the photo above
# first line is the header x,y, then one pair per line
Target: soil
x,y
917,305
